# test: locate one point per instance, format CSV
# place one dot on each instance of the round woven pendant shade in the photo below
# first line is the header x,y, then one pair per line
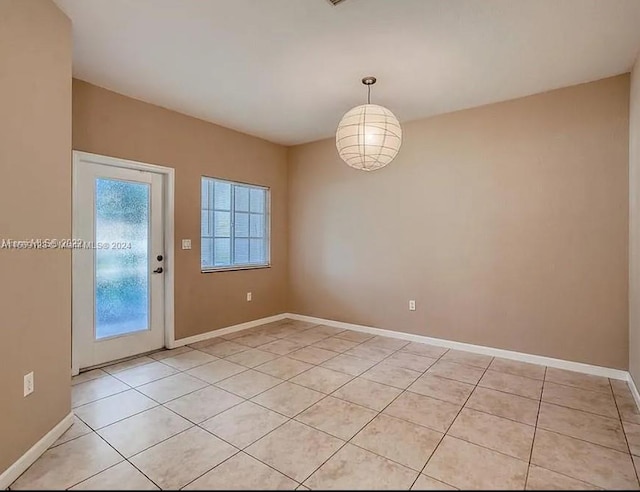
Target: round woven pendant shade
x,y
368,137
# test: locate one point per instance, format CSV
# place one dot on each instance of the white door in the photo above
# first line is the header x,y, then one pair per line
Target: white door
x,y
118,262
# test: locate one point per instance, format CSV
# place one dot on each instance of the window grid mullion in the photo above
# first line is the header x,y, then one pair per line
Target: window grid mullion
x,y
232,232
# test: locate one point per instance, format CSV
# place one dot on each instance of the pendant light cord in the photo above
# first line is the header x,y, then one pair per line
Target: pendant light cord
x,y
368,94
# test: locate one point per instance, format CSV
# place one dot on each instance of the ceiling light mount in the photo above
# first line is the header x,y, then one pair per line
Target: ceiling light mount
x,y
368,136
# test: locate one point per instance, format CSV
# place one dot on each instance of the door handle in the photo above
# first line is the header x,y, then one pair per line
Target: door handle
x,y
158,270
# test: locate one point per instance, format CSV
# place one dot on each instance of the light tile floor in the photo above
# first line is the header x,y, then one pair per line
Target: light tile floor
x,y
294,405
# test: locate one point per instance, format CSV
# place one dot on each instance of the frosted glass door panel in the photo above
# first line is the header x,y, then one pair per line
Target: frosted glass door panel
x,y
122,257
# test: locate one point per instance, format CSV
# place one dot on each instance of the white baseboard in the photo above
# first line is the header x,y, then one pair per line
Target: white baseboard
x,y
225,331
478,349
28,458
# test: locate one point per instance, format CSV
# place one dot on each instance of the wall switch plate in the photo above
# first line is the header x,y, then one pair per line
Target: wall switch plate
x,y
249,296
186,244
412,305
28,384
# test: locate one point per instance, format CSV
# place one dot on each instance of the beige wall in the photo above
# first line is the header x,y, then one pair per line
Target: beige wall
x,y
506,223
35,202
634,225
111,124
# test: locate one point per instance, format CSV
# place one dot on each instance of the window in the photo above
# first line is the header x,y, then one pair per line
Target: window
x,y
235,225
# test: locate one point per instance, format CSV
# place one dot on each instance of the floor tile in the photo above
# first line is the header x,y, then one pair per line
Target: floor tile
x,y
280,331
354,336
95,389
543,479
77,429
628,409
282,347
391,375
242,472
172,387
249,383
288,399
367,393
517,368
68,464
205,343
458,372
410,361
163,354
582,425
349,365
284,367
506,405
370,353
244,424
137,433
578,380
113,408
254,339
146,373
406,443
295,449
497,433
83,377
322,379
335,344
224,349
306,337
425,350
427,483
422,410
312,355
620,388
386,343
579,399
632,432
251,358
468,466
182,458
188,360
337,417
216,371
468,358
510,383
355,468
441,388
123,476
128,364
327,330
584,461
203,404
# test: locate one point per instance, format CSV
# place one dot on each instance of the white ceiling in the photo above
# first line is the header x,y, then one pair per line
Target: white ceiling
x,y
287,70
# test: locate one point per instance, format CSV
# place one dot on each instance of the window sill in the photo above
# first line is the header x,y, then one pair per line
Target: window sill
x,y
234,268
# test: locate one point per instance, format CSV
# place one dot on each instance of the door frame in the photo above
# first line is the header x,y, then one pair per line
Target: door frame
x,y
169,199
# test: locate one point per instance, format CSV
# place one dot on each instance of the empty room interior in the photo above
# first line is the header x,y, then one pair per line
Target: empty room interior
x,y
320,244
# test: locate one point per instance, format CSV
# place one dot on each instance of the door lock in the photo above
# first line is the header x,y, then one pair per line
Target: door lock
x,y
160,257
158,270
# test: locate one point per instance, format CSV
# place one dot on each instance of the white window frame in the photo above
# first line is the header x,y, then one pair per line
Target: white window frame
x,y
267,232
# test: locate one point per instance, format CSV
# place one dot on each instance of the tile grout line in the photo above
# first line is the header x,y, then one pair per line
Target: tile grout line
x,y
535,430
451,425
624,433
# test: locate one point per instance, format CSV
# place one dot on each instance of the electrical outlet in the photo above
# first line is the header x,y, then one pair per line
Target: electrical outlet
x,y
186,244
248,296
412,305
28,384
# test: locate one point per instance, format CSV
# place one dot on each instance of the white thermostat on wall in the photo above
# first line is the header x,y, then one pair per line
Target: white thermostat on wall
x,y
186,244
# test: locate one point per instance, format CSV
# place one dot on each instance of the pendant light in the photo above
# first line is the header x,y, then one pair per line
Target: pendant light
x,y
368,136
